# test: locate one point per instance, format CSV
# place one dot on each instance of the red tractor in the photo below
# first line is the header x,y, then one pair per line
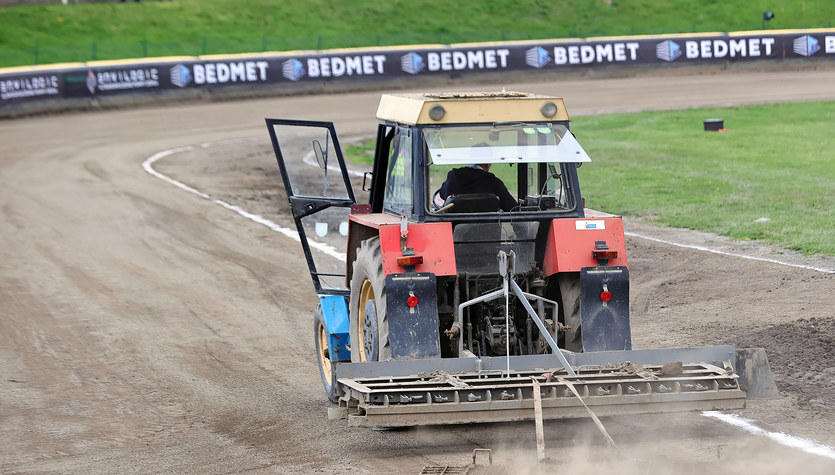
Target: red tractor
x,y
439,307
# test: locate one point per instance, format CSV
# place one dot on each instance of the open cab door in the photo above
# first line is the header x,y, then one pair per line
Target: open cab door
x,y
320,194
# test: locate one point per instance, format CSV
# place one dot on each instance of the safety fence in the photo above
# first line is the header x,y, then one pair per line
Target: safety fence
x,y
81,84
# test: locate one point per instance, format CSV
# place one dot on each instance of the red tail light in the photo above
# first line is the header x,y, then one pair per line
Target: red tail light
x,y
606,296
608,254
412,301
404,261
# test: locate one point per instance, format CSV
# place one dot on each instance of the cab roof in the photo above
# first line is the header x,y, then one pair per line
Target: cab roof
x,y
470,107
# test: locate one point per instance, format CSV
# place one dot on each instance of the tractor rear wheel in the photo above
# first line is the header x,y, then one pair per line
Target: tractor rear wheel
x,y
570,308
323,356
368,320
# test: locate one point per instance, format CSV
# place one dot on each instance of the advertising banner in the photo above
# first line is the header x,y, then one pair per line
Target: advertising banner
x,y
281,70
22,87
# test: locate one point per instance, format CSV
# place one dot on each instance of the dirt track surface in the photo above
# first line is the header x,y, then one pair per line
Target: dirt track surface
x,y
143,328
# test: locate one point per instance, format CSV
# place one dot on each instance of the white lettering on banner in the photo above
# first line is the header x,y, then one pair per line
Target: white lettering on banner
x,y
733,48
768,42
352,65
604,52
720,49
490,58
473,59
337,66
459,60
127,79
29,87
476,58
705,49
691,49
829,41
219,73
738,48
585,54
620,53
223,72
237,71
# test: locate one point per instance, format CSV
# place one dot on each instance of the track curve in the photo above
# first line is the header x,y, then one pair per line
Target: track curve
x,y
145,328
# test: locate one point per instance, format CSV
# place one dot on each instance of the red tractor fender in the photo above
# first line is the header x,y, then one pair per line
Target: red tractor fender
x,y
431,241
572,240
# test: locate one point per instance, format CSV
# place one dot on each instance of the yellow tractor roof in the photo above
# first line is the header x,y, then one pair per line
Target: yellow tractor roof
x,y
469,107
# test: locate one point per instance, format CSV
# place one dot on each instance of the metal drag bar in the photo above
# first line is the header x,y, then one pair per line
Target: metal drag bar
x,y
714,355
440,398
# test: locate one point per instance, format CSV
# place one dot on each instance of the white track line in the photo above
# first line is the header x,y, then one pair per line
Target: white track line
x,y
147,165
731,254
806,445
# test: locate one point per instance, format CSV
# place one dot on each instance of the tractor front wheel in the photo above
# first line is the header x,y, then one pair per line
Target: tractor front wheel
x,y
368,321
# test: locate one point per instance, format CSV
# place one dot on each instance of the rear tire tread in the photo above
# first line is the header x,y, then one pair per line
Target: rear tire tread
x,y
570,300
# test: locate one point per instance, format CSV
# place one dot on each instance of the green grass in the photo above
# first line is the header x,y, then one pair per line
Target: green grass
x,y
773,162
362,152
81,32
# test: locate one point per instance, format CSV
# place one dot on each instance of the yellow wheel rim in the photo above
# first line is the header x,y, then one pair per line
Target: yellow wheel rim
x,y
324,351
366,294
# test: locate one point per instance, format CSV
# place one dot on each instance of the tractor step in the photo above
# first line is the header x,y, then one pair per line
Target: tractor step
x,y
494,395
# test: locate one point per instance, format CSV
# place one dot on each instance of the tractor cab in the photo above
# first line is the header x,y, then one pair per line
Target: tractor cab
x,y
523,140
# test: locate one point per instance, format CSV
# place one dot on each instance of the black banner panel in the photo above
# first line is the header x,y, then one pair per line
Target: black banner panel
x,y
29,86
283,70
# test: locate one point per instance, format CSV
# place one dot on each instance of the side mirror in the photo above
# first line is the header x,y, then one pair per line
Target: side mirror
x,y
321,155
322,160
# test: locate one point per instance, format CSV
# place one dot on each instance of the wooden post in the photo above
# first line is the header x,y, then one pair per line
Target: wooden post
x,y
540,436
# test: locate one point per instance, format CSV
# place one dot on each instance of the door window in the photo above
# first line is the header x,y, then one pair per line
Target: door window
x,y
320,194
399,189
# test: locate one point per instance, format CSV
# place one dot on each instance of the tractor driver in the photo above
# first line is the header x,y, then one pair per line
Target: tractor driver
x,y
476,178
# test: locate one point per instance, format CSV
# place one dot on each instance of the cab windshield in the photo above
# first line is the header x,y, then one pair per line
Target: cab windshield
x,y
503,143
530,159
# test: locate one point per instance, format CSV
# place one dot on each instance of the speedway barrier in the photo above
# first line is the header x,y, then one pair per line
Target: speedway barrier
x,y
26,90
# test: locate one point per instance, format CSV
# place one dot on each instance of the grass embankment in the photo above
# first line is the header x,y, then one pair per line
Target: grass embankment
x,y
82,32
773,162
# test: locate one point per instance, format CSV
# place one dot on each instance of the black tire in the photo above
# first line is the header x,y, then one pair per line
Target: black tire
x,y
326,369
368,320
570,307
